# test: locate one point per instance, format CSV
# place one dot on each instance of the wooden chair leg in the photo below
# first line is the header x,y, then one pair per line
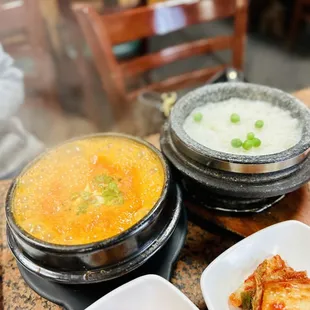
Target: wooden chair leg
x,y
239,40
295,23
144,49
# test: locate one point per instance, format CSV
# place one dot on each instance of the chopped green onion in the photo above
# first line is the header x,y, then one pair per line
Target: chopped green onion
x,y
113,186
103,178
250,136
106,192
246,299
236,143
247,144
111,194
234,118
82,208
85,195
259,124
197,117
256,142
75,196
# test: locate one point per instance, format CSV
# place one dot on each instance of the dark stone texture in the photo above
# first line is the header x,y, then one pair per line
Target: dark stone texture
x,y
233,184
224,91
213,187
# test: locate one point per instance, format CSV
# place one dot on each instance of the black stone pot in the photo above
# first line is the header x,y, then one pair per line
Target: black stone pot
x,y
103,260
230,182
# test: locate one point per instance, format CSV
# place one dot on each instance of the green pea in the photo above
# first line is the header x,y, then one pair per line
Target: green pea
x,y
234,118
256,142
197,117
247,144
259,124
250,136
236,143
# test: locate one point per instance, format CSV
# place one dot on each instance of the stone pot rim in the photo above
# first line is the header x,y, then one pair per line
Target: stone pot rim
x,y
223,91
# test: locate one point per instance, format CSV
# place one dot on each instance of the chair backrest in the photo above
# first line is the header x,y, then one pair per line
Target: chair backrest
x,y
12,16
102,32
22,19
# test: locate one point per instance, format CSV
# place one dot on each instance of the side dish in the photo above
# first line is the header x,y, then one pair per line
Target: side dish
x,y
88,190
244,127
273,286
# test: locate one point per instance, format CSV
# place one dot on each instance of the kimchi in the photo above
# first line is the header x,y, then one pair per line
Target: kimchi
x,y
273,286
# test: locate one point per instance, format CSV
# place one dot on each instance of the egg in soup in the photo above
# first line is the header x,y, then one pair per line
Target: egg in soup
x,y
88,190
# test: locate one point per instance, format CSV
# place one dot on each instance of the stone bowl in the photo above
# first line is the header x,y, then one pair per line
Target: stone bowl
x,y
230,182
105,259
235,162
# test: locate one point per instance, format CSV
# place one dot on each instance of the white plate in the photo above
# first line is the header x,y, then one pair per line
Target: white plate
x,y
149,292
227,272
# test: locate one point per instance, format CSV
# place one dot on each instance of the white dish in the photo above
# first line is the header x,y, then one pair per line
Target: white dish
x,y
226,273
149,292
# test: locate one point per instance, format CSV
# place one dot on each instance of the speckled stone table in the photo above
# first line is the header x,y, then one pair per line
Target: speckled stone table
x,y
200,249
201,246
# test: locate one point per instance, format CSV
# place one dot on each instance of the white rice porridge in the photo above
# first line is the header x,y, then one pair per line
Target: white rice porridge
x,y
215,129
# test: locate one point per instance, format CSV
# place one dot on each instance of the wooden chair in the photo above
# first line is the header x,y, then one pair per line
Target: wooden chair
x,y
102,32
301,13
72,36
22,35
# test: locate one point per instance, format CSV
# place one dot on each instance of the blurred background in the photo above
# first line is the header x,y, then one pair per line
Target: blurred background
x,y
67,88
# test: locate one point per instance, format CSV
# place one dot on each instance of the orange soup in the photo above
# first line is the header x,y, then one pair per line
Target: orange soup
x,y
88,190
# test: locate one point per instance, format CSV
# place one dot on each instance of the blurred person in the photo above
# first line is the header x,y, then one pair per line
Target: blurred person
x,y
17,146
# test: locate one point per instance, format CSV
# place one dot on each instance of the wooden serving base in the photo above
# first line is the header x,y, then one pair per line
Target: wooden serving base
x,y
294,206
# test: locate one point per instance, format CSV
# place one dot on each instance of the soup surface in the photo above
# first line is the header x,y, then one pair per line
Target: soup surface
x,y
227,125
88,190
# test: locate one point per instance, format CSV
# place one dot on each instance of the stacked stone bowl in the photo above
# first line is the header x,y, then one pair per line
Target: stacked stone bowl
x,y
230,182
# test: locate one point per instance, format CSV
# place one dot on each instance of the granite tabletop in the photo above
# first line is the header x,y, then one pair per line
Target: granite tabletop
x,y
201,247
